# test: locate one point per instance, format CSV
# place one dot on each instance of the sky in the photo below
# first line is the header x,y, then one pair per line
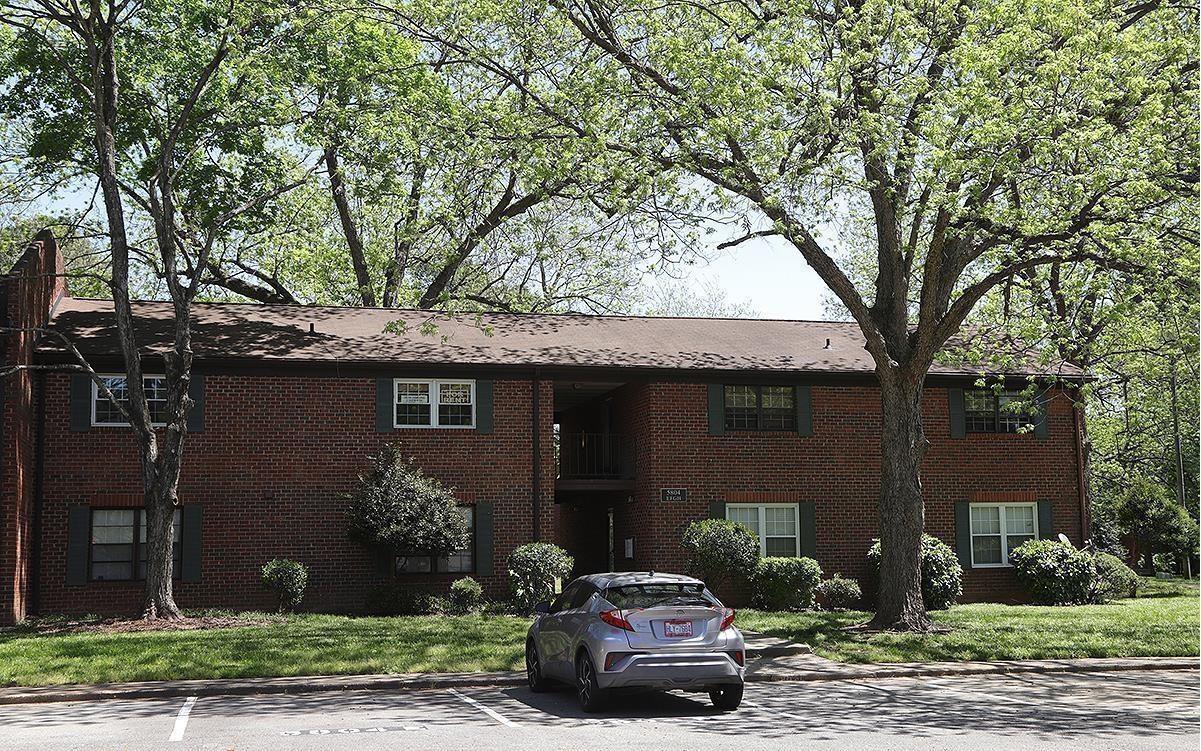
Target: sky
x,y
769,273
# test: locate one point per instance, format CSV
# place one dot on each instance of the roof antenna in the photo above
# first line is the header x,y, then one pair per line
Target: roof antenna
x,y
827,343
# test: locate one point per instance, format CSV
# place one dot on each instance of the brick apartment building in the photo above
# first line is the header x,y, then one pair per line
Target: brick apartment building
x,y
606,435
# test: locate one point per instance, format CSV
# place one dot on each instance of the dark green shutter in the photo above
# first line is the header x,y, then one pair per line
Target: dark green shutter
x,y
958,418
196,391
385,405
483,538
1046,521
81,402
483,406
804,410
808,522
190,518
1043,404
385,561
79,534
963,533
717,510
717,409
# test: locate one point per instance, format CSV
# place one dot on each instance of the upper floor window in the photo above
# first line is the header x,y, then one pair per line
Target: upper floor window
x,y
760,408
777,525
435,403
104,412
988,411
460,561
118,544
999,528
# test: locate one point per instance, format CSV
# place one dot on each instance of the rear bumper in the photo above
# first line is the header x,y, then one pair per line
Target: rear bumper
x,y
673,670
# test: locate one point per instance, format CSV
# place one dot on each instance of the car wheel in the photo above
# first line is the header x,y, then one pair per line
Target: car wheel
x,y
587,690
726,698
533,670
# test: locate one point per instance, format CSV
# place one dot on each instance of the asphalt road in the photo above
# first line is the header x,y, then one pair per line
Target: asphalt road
x,y
1094,711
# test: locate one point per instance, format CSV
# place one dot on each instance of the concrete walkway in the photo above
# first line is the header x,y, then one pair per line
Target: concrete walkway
x,y
787,667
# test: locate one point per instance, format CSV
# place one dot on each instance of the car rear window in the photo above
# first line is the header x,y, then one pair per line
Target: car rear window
x,y
649,595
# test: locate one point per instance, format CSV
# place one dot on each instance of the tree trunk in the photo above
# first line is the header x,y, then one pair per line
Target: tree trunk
x,y
902,514
160,511
354,241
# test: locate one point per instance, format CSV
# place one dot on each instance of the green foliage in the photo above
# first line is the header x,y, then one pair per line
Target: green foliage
x,y
1054,572
838,593
289,579
466,595
1114,579
533,569
1148,510
400,598
720,550
781,583
942,576
399,508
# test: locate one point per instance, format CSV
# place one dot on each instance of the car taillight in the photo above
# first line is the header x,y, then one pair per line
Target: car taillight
x,y
739,657
614,619
727,619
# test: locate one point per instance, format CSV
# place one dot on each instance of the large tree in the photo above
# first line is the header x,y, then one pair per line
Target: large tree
x,y
175,112
979,140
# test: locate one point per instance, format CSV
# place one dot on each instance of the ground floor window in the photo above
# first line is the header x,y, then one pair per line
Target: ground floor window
x,y
775,524
998,528
118,544
461,561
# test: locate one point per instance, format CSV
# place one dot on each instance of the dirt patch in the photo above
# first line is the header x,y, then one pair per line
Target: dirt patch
x,y
47,627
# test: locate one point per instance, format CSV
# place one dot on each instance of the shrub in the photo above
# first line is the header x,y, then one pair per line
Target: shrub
x,y
785,583
466,595
942,576
1056,573
839,593
400,599
288,579
720,550
533,569
398,507
1114,578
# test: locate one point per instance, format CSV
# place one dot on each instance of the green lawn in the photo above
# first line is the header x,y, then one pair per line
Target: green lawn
x,y
1163,621
298,645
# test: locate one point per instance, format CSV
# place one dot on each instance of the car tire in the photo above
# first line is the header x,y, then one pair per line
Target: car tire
x,y
533,670
727,697
587,689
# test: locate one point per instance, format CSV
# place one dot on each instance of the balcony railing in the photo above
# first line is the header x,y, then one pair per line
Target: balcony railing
x,y
595,456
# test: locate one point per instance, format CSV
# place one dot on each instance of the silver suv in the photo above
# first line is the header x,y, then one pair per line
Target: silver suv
x,y
636,630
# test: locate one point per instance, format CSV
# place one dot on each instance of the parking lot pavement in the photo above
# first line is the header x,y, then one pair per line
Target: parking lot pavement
x,y
1131,710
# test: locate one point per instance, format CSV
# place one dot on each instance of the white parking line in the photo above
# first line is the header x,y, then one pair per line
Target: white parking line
x,y
181,719
486,710
773,710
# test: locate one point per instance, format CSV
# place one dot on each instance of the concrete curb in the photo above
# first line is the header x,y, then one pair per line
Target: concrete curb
x,y
313,684
952,669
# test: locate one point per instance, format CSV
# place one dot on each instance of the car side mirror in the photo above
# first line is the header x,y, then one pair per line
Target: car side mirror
x,y
542,607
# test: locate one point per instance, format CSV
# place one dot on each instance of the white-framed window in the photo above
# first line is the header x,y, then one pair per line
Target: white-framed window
x,y
777,525
424,403
998,528
105,413
117,551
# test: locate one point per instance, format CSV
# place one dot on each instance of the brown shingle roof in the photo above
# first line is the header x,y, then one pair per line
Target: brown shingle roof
x,y
276,333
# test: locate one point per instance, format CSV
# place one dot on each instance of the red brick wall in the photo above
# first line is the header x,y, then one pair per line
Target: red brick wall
x,y
270,469
837,468
27,294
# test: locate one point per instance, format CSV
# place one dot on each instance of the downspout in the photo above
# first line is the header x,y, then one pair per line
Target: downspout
x,y
1081,480
536,390
39,470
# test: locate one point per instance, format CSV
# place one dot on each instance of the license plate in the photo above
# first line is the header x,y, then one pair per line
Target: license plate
x,y
677,629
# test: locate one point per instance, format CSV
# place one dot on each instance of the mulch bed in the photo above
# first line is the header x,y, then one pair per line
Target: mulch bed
x,y
57,626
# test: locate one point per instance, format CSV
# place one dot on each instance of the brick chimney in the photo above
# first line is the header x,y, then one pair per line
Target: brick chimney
x,y
28,294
